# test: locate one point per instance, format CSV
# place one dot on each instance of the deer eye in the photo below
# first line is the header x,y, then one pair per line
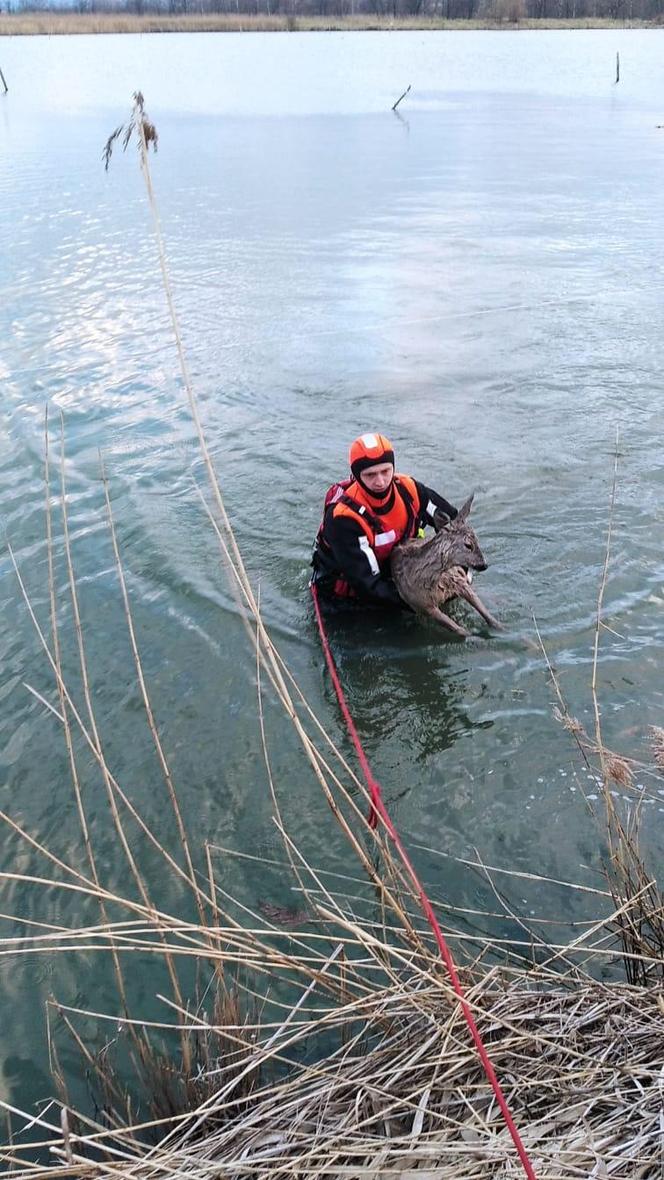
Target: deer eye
x,y
468,544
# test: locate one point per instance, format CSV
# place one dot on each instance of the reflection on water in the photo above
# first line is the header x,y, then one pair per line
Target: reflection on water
x,y
484,284
401,689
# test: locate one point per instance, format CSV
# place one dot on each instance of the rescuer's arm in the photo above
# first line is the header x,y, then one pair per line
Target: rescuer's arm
x,y
431,501
356,560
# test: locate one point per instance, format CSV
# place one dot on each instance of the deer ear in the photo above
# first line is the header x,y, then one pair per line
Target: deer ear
x,y
440,520
464,511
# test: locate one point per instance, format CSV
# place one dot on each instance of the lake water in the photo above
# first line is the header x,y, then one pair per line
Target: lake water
x,y
481,277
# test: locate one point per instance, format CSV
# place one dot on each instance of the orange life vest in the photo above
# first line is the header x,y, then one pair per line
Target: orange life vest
x,y
385,531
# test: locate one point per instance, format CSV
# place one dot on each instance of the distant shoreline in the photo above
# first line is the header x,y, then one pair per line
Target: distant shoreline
x,y
72,23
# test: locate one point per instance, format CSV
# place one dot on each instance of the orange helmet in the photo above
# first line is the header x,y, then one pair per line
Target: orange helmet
x,y
368,450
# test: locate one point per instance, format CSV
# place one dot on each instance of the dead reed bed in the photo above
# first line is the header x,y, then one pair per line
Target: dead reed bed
x,y
57,23
54,23
327,1041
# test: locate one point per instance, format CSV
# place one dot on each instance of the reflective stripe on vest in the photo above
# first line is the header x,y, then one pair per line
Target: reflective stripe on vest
x,y
365,546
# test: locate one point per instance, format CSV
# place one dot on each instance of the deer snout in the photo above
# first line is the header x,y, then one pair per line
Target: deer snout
x,y
480,566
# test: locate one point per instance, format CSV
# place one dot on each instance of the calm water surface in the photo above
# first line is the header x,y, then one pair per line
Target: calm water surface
x,y
482,279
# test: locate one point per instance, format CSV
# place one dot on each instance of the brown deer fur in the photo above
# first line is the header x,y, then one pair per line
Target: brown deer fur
x,y
429,573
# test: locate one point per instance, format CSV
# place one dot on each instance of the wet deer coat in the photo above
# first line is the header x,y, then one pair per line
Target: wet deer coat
x,y
428,573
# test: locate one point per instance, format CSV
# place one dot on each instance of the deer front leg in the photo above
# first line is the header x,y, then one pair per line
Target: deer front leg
x,y
440,617
466,591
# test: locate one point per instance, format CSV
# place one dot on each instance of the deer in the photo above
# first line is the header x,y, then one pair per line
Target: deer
x,y
430,572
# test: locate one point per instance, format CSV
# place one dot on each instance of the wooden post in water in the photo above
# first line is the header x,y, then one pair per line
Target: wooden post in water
x,y
2,79
402,96
617,68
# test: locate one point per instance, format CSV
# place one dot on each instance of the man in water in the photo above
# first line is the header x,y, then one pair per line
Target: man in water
x,y
364,519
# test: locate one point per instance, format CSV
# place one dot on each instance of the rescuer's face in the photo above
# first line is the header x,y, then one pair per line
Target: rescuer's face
x,y
378,478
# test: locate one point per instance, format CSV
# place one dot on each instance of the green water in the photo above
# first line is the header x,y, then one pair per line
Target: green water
x,y
483,281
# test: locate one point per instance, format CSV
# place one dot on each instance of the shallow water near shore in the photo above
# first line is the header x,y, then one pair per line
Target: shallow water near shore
x,y
480,276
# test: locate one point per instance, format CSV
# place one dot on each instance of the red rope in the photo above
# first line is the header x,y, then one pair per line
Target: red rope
x,y
377,808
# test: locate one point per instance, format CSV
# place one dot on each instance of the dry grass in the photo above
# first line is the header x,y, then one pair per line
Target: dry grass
x,y
60,23
361,1064
340,1048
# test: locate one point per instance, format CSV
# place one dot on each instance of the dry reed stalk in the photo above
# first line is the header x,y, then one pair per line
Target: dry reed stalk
x,y
141,126
639,904
63,707
85,682
640,926
657,745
